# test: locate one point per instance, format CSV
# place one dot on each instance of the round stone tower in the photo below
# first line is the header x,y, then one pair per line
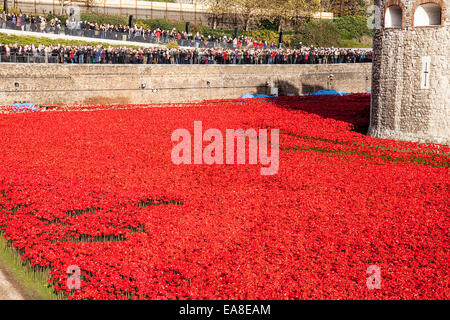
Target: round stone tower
x,y
411,71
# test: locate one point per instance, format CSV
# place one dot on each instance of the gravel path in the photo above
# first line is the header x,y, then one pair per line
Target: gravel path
x,y
7,290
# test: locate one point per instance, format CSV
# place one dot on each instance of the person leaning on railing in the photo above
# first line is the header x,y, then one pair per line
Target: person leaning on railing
x,y
252,55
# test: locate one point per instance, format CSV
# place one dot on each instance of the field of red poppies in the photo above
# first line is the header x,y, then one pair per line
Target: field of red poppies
x,y
95,187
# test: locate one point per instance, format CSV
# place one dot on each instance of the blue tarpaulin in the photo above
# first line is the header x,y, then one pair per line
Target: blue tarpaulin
x,y
323,92
24,107
251,95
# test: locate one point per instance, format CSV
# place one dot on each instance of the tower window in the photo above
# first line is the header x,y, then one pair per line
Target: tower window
x,y
427,14
393,17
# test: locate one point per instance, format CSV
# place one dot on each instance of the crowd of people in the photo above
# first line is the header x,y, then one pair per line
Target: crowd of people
x,y
183,38
127,55
194,48
136,33
26,22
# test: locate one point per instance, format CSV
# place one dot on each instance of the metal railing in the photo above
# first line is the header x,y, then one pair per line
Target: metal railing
x,y
115,35
29,58
93,57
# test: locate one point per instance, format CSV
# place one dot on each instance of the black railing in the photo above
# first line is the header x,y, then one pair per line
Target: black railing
x,y
141,37
96,57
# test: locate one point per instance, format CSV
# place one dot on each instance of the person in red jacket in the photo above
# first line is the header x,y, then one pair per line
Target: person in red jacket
x,y
72,55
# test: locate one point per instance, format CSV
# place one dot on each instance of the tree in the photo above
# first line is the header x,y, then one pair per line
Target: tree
x,y
63,4
217,9
328,5
89,3
276,11
247,10
294,11
342,8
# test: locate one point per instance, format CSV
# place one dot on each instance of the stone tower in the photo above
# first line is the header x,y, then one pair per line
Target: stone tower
x,y
411,71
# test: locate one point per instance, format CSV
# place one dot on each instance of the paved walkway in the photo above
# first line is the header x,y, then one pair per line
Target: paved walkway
x,y
66,37
7,290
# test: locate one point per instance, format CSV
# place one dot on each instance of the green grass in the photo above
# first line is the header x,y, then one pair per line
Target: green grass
x,y
368,155
413,159
32,281
345,43
29,40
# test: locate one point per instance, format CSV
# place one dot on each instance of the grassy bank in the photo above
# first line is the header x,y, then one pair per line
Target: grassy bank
x,y
31,283
29,40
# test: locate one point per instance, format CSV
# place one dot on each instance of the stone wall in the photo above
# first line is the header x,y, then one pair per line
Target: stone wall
x,y
50,84
411,72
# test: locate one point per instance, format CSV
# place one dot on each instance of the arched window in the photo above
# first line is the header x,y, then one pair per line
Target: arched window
x,y
393,17
427,14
